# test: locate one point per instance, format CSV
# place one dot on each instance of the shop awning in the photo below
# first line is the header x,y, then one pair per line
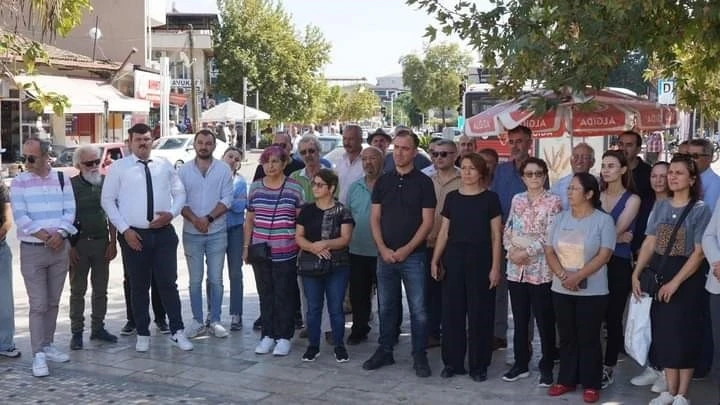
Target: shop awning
x,y
86,96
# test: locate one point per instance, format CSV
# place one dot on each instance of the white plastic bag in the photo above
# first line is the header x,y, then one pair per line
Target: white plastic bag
x,y
638,334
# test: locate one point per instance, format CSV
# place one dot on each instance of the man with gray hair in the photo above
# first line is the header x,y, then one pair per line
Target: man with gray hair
x,y
582,159
349,167
44,210
92,249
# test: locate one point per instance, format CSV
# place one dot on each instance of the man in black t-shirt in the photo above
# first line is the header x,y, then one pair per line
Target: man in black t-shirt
x,y
402,214
7,306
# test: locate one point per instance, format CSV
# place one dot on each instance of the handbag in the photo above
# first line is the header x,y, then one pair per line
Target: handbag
x,y
650,278
638,331
310,265
260,252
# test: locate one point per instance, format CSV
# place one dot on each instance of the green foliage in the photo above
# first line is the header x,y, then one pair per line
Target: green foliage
x,y
50,18
629,74
570,44
258,40
265,140
412,113
359,104
434,79
424,141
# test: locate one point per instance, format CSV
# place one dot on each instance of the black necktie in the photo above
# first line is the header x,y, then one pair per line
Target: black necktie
x,y
149,189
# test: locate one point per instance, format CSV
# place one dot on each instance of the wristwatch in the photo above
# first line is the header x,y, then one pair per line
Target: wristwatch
x,y
210,218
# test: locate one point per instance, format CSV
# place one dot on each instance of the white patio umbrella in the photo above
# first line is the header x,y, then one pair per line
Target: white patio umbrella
x,y
232,111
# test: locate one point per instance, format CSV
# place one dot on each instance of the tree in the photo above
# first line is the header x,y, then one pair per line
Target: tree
x,y
434,80
48,17
629,74
332,105
405,103
569,44
257,40
359,103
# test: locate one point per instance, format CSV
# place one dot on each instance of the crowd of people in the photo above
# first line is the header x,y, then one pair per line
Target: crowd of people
x,y
464,235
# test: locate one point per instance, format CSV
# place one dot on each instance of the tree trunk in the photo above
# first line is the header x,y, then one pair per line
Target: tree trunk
x,y
443,116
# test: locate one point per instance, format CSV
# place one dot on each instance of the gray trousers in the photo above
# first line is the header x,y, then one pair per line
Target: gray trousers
x,y
92,262
44,271
501,302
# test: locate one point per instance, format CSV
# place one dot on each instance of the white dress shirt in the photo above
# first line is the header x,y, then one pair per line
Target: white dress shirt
x,y
348,173
205,192
559,188
124,193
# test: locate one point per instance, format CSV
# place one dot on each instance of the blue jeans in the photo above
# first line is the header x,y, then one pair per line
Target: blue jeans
x,y
210,248
234,261
7,308
411,273
316,289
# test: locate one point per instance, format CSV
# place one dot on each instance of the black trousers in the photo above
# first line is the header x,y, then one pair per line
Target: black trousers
x,y
433,300
528,300
467,300
362,278
157,261
579,320
157,307
278,290
619,276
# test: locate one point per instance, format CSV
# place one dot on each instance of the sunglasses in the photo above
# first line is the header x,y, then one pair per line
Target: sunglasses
x,y
30,159
92,163
307,152
537,175
442,154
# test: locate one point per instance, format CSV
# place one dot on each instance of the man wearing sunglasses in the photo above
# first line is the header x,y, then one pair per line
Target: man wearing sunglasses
x,y
445,179
44,210
295,163
93,247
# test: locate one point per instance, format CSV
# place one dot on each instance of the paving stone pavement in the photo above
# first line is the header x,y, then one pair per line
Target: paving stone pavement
x,y
226,371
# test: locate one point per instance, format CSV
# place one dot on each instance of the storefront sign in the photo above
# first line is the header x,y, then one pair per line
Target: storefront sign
x,y
147,86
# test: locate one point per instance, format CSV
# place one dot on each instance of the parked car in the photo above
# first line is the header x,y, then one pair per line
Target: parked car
x,y
109,152
327,144
178,149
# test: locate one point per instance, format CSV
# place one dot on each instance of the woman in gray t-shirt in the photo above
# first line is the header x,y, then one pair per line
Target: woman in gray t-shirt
x,y
579,245
676,312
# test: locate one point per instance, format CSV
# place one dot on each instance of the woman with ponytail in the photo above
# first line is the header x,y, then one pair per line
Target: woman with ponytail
x,y
578,247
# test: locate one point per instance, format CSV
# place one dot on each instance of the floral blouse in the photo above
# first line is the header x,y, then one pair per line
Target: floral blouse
x,y
526,228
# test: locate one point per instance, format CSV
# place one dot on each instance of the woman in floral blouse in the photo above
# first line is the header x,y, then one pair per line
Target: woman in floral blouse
x,y
528,275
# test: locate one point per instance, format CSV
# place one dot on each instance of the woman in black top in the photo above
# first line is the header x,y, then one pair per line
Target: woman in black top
x,y
323,231
467,260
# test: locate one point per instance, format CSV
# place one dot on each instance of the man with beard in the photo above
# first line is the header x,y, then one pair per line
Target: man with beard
x,y
631,143
141,196
92,249
349,167
466,145
209,190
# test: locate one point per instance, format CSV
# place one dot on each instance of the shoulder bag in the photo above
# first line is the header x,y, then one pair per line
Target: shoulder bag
x,y
311,265
651,278
260,252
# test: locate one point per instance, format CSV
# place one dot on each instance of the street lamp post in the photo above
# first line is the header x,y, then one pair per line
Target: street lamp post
x,y
392,109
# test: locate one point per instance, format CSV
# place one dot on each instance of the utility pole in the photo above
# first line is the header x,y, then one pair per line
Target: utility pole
x,y
193,90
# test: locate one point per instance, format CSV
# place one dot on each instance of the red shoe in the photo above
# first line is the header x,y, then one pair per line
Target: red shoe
x,y
591,396
558,389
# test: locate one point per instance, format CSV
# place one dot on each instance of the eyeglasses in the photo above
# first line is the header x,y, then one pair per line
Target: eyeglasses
x,y
30,159
516,141
698,155
92,163
442,154
318,185
537,175
307,152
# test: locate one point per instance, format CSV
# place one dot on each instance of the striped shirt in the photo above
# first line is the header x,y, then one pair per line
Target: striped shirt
x,y
278,230
41,203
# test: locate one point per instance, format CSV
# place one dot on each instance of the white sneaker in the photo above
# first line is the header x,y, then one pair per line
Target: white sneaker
x,y
664,399
218,330
181,341
680,400
660,384
53,354
142,344
196,329
265,346
39,366
647,377
282,348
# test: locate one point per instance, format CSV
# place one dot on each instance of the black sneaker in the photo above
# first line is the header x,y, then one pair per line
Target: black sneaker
x,y
546,379
379,359
421,366
607,377
163,327
257,325
356,339
76,342
103,335
515,374
311,353
128,330
10,353
341,354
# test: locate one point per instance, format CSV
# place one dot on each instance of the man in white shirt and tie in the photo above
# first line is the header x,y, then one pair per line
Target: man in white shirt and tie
x,y
141,197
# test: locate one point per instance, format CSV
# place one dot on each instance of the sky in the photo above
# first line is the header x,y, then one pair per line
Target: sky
x,y
368,37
